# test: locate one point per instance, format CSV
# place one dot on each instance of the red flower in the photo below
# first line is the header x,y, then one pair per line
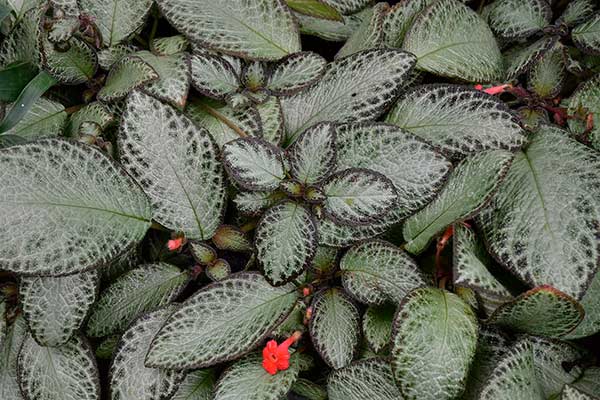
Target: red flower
x,y
494,89
277,357
175,244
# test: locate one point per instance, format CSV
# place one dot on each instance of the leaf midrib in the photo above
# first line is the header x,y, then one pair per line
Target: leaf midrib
x,y
121,214
538,189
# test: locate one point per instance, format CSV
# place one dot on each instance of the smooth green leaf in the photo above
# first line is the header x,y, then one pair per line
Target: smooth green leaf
x,y
45,118
14,78
369,34
127,74
586,100
295,72
173,81
76,65
197,385
370,379
377,326
587,36
312,157
315,8
519,19
9,351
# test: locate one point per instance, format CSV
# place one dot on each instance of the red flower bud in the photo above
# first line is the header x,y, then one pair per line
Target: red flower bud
x,y
175,244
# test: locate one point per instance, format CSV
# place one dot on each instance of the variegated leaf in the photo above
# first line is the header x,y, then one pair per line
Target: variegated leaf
x,y
295,72
107,347
400,18
457,120
335,31
312,157
586,100
355,88
94,112
450,39
232,238
130,379
9,351
22,45
254,203
254,164
370,379
74,66
358,196
80,219
45,118
173,81
197,385
315,8
589,382
577,11
369,34
138,291
335,327
547,75
573,393
285,241
309,390
213,76
218,271
377,326
519,19
268,31
116,19
347,6
125,75
108,57
586,36
271,118
171,45
247,379
519,59
56,307
176,162
543,234
433,344
221,322
376,271
591,304
542,311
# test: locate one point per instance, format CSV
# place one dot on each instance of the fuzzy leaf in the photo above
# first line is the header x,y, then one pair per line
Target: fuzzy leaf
x,y
296,72
370,379
268,31
125,75
130,379
336,31
197,385
173,77
108,57
138,291
314,8
547,75
591,304
176,163
213,76
376,271
577,11
369,34
168,46
519,19
74,66
253,163
358,196
94,112
335,327
468,189
377,326
572,393
347,6
9,351
221,322
543,234
22,45
586,100
433,344
400,18
95,210
247,379
312,157
355,88
116,19
56,307
271,118
309,390
457,120
45,118
519,59
589,382
587,36
450,39
285,241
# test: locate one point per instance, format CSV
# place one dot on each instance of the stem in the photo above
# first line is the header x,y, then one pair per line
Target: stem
x,y
153,31
247,227
74,109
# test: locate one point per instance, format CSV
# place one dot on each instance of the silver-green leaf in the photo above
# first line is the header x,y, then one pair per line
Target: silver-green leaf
x,y
127,74
9,352
197,385
586,36
370,379
312,157
173,81
519,19
295,72
377,326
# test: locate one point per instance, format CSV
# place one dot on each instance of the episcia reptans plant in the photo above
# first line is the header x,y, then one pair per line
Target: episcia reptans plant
x,y
299,199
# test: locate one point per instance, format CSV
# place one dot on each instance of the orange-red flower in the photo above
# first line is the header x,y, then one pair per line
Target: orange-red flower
x,y
277,357
175,244
494,89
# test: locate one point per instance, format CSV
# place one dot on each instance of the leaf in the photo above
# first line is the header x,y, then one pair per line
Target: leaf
x,y
356,88
377,326
94,112
586,36
432,325
469,188
76,65
14,78
9,351
400,18
457,120
572,393
312,157
309,390
358,196
247,379
254,164
57,373
3,323
268,31
229,237
129,378
295,72
221,322
315,8
176,163
542,311
168,46
271,118
173,83
577,11
589,382
335,31
364,379
108,57
591,304
255,203
450,39
347,6
586,100
138,291
541,234
107,347
197,385
127,74
376,271
117,20
547,75
22,45
219,270
334,327
519,19
369,34
45,118
94,209
285,241
519,59
55,308
213,76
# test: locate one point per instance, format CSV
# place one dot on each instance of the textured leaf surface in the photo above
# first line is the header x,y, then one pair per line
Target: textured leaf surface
x,y
542,311
74,66
377,326
400,18
543,234
254,164
173,77
572,393
295,73
255,29
433,344
94,112
365,379
457,120
376,271
450,39
129,377
518,19
127,74
221,322
589,382
271,118
213,76
587,36
585,100
355,88
347,6
369,34
547,75
313,156
519,59
9,351
168,46
138,291
577,11
116,19
56,307
336,31
22,45
176,163
335,327
45,118
197,385
469,187
308,389
247,379
68,372
285,241
358,196
92,206
314,8
591,304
